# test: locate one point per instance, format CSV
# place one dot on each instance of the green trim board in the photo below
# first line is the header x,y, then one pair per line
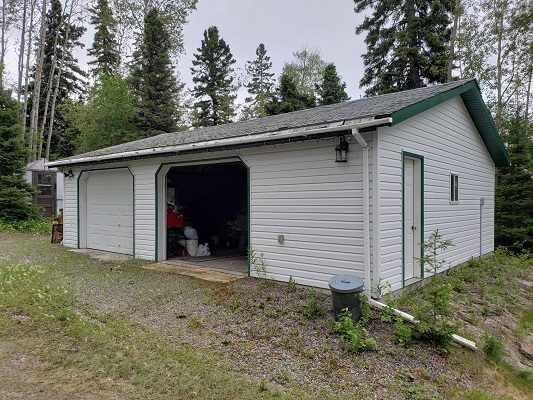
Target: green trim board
x,y
133,202
473,101
78,207
406,154
198,162
156,199
249,190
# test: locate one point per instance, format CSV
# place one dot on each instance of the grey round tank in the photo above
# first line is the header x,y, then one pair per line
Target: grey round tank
x,y
345,290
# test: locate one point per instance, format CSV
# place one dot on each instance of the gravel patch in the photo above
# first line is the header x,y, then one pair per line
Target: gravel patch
x,y
259,327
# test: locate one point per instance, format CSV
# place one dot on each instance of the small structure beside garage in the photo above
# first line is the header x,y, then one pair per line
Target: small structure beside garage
x,y
48,184
350,188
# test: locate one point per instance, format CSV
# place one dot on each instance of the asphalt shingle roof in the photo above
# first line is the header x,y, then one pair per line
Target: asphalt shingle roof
x,y
377,106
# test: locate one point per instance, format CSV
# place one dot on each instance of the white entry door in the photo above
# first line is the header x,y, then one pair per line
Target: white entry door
x,y
110,211
412,217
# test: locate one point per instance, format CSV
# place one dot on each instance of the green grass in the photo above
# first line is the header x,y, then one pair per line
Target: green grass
x,y
46,312
115,347
477,394
28,226
491,284
525,324
493,348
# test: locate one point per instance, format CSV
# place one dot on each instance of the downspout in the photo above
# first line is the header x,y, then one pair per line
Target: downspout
x,y
366,210
366,239
481,204
408,317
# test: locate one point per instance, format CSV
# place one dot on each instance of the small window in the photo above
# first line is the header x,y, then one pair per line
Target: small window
x,y
454,188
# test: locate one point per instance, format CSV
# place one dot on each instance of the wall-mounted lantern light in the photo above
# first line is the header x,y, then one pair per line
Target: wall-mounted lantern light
x,y
341,151
70,174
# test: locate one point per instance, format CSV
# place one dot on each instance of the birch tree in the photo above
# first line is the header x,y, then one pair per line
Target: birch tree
x,y
9,8
58,17
26,67
306,69
36,95
60,77
57,79
495,46
22,46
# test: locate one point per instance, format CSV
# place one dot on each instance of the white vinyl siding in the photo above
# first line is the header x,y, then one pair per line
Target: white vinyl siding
x,y
70,212
448,140
144,173
299,191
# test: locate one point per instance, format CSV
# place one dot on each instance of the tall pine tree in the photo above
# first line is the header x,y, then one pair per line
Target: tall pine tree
x,y
514,191
407,43
212,71
105,47
14,191
152,78
261,84
331,89
288,98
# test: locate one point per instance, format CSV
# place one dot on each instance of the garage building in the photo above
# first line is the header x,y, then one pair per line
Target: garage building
x,y
347,188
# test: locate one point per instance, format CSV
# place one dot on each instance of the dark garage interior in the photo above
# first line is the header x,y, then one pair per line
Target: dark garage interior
x,y
212,199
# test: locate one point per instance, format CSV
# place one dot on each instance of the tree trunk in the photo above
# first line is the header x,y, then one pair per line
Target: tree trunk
x,y
499,40
58,81
22,50
3,44
49,87
27,72
34,119
528,94
456,16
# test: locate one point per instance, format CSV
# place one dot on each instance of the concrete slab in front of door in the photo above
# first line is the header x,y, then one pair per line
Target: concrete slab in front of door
x,y
206,274
103,255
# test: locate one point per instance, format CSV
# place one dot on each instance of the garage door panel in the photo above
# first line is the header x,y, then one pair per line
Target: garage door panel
x,y
110,211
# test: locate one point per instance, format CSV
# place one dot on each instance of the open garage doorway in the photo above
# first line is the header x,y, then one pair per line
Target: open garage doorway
x,y
207,216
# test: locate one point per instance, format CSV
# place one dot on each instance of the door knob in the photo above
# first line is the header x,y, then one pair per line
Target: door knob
x,y
413,227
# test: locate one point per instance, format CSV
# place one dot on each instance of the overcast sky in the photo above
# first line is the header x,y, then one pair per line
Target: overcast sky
x,y
282,25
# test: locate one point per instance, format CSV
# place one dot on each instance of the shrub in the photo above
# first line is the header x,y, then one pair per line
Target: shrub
x,y
15,193
387,313
36,225
403,332
355,335
493,348
434,310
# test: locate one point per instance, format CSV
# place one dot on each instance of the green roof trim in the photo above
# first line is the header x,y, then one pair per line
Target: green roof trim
x,y
471,96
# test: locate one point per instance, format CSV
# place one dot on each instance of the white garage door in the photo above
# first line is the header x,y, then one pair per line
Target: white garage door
x,y
110,211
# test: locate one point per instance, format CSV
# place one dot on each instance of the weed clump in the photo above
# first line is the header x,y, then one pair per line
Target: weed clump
x,y
354,335
493,348
312,310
